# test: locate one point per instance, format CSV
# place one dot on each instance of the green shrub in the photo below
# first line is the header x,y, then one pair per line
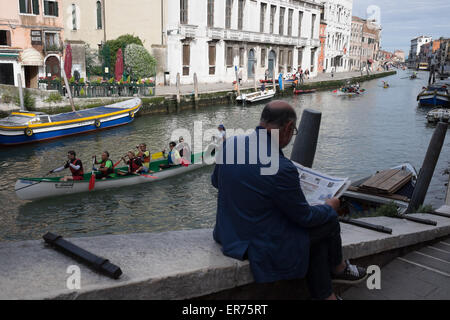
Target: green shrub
x,y
28,100
54,97
387,210
140,61
7,98
120,42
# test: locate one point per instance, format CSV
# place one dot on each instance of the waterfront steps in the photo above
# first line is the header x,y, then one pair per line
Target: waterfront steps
x,y
173,265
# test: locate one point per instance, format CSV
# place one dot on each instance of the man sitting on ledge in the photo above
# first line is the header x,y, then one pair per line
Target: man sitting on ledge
x,y
266,218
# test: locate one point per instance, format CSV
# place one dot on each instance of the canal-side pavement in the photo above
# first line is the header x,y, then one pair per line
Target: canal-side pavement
x,y
423,274
220,87
181,264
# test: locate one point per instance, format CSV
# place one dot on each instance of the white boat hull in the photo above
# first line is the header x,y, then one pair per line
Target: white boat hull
x,y
28,189
256,96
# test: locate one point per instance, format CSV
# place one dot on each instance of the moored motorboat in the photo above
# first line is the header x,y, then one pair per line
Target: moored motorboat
x,y
394,185
437,115
27,127
40,188
256,96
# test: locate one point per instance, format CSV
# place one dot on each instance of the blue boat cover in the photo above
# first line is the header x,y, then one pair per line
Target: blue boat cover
x,y
99,111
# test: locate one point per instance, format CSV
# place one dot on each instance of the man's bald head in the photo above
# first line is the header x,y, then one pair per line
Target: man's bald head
x,y
277,114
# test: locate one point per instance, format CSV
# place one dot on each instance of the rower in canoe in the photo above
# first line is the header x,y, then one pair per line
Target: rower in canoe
x,y
106,166
134,163
173,157
75,165
144,155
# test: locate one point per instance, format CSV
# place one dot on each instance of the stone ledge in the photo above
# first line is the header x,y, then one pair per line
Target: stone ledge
x,y
170,265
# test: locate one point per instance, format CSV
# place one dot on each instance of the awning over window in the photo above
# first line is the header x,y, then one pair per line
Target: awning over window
x,y
31,57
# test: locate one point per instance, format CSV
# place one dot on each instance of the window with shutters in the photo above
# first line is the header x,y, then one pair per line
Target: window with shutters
x,y
186,58
51,8
29,7
183,11
210,13
289,61
212,58
300,59
74,17
273,10
300,21
241,57
229,56
313,58
313,22
281,31
262,17
263,57
228,9
99,15
5,38
241,14
290,14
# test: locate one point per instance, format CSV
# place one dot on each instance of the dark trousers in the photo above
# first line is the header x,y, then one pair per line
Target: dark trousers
x,y
325,255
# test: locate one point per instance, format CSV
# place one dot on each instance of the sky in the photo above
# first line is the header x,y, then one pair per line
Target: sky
x,y
403,20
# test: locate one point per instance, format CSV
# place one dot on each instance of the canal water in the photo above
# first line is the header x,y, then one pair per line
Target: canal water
x,y
359,135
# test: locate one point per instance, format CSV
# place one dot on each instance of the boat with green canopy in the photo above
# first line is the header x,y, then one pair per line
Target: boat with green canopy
x,y
40,188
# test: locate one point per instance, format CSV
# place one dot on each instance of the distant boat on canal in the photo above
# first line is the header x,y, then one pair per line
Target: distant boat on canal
x,y
28,127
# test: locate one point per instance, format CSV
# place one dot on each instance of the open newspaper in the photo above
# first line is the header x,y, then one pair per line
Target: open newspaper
x,y
317,187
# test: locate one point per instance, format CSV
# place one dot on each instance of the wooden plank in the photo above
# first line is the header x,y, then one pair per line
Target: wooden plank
x,y
388,181
379,178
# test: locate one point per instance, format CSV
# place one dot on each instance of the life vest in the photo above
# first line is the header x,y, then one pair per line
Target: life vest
x,y
79,172
144,158
133,165
103,164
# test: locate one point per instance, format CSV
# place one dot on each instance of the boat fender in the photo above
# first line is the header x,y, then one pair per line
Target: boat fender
x,y
97,123
28,132
131,114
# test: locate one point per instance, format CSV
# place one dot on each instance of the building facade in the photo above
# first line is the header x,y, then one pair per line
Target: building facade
x,y
400,55
338,16
214,39
31,33
323,42
364,45
94,22
416,44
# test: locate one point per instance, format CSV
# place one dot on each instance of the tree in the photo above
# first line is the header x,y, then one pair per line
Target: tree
x,y
139,61
93,64
120,42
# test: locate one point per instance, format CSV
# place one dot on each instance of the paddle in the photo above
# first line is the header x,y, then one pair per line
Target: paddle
x,y
117,163
149,176
92,180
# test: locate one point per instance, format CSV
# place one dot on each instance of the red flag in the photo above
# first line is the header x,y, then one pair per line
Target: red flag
x,y
68,62
119,65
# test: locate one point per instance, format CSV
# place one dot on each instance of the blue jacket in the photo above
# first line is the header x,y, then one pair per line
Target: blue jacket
x,y
264,217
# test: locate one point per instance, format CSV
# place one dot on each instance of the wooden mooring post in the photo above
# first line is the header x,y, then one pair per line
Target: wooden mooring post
x,y
305,143
195,91
237,81
428,166
69,92
178,91
19,84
